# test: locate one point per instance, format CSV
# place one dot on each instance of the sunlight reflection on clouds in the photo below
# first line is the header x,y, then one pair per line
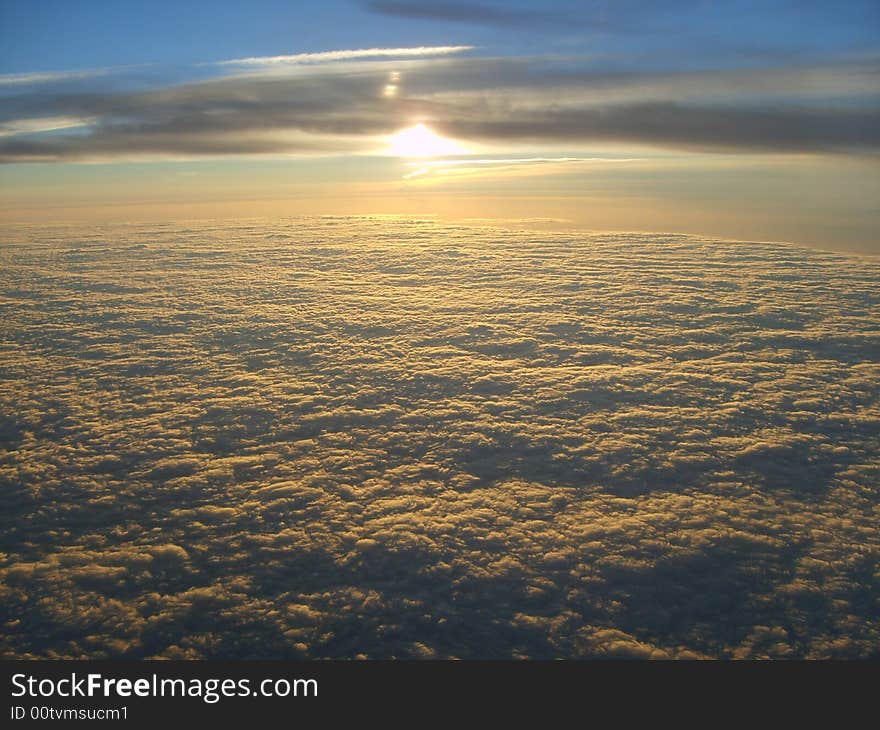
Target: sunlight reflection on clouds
x,y
354,436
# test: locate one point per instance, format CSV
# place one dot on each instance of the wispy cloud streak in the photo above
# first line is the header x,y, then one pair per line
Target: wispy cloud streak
x,y
347,55
427,166
43,124
45,77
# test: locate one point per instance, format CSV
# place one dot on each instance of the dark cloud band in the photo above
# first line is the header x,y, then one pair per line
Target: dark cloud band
x,y
496,100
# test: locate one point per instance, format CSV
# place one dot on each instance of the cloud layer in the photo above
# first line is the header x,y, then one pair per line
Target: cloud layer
x,y
304,104
348,437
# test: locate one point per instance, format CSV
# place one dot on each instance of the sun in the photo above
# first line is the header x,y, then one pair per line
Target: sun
x,y
420,141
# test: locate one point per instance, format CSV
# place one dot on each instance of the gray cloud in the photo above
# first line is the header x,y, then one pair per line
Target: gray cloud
x,y
460,12
617,17
522,101
683,126
342,436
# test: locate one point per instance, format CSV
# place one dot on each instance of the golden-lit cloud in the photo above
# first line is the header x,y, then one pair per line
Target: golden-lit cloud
x,y
341,437
537,165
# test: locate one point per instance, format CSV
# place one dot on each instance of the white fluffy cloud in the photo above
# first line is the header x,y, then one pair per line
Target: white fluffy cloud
x,y
345,436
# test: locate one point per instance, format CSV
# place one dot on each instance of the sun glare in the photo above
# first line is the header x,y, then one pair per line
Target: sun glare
x,y
419,141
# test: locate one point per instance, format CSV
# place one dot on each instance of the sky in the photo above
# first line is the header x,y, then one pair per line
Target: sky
x,y
380,328
737,119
